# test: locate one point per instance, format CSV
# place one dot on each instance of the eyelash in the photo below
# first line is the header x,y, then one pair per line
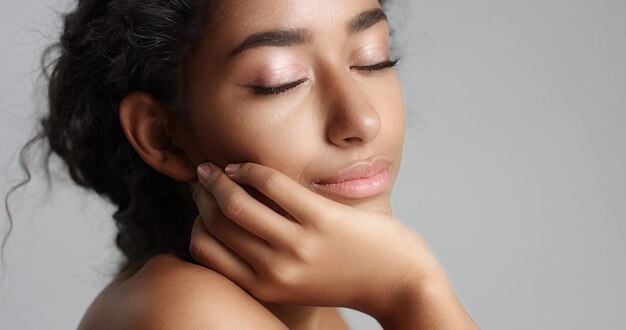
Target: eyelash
x,y
263,90
377,67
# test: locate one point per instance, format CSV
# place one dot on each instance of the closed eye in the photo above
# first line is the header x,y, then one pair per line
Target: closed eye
x,y
275,90
376,67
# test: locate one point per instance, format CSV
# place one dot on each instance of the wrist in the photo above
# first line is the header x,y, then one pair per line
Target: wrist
x,y
403,278
409,296
427,304
407,289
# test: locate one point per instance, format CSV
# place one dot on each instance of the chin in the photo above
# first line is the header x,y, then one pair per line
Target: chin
x,y
379,204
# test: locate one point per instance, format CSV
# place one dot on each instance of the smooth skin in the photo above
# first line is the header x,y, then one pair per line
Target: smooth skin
x,y
317,255
287,115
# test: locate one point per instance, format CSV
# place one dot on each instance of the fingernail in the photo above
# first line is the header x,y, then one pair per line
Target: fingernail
x,y
204,171
231,169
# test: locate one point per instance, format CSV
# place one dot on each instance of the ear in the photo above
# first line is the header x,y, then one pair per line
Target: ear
x,y
150,129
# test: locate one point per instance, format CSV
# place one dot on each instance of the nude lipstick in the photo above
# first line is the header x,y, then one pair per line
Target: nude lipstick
x,y
361,180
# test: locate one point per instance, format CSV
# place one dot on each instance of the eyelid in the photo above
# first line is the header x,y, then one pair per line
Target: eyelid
x,y
389,63
280,89
275,90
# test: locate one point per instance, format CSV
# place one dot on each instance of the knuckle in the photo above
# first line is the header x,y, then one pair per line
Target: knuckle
x,y
329,222
207,207
305,251
245,169
198,249
284,275
213,226
203,227
208,182
197,229
233,206
270,181
218,182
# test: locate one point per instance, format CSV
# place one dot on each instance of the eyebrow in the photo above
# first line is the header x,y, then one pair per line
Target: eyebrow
x,y
365,20
283,38
279,38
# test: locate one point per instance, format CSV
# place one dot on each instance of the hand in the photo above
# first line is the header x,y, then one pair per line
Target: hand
x,y
322,253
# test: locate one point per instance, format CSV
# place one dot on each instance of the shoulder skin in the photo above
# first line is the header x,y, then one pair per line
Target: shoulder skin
x,y
168,293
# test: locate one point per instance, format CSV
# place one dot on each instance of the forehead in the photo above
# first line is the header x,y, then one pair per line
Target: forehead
x,y
234,20
286,13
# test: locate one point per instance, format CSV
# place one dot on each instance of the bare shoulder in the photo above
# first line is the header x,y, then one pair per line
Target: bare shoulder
x,y
168,293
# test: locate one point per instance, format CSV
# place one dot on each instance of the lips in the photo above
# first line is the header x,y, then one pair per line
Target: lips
x,y
361,180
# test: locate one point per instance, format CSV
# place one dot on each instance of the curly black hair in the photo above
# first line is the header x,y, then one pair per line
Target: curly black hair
x,y
107,49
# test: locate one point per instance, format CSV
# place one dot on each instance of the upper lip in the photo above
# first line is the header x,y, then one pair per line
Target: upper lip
x,y
359,170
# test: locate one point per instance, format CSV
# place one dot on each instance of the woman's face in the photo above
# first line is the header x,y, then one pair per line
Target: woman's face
x,y
301,86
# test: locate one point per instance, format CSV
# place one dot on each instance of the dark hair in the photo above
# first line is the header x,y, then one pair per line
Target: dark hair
x,y
109,48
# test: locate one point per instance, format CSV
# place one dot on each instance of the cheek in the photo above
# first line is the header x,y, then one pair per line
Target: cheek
x,y
390,103
282,140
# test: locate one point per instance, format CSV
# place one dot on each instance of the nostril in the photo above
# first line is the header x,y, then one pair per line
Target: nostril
x,y
352,140
353,127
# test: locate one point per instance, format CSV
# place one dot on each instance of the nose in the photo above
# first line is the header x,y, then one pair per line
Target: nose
x,y
351,120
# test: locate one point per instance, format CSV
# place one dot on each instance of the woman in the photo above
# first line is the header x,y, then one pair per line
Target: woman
x,y
250,147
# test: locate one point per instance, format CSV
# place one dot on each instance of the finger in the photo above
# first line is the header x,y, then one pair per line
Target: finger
x,y
298,201
232,235
205,203
236,204
210,252
249,247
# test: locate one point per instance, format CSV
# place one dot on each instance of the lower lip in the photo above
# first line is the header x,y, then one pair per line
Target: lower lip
x,y
357,188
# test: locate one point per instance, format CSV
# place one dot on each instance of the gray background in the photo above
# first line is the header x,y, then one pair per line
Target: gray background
x,y
513,169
